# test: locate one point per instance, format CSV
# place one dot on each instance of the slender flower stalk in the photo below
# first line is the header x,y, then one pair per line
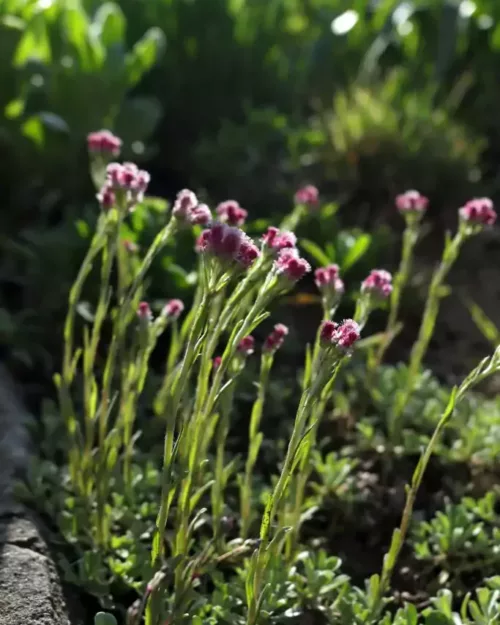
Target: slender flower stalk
x,y
474,217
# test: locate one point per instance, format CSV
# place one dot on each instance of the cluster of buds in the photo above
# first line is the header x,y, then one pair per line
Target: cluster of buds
x,y
274,240
228,244
308,196
290,265
377,284
104,143
125,185
342,336
478,213
411,204
231,213
276,338
188,210
144,313
173,309
246,346
329,283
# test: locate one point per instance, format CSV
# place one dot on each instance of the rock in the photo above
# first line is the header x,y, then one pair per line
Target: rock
x,y
30,588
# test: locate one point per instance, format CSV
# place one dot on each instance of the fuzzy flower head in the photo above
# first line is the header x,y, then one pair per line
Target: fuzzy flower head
x,y
308,196
185,202
144,312
290,265
328,280
346,335
228,244
412,204
275,240
200,215
173,309
275,340
104,143
231,213
106,197
247,346
378,283
128,181
478,213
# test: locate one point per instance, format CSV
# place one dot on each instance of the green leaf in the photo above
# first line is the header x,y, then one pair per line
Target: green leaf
x,y
144,55
104,618
33,129
357,251
112,24
437,618
484,323
35,43
315,251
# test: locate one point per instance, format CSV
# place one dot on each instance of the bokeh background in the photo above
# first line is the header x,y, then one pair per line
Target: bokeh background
x,y
243,99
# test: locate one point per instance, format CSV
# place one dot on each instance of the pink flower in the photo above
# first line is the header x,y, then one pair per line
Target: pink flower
x,y
144,312
228,244
104,142
346,334
216,362
247,345
307,195
275,340
275,240
230,212
106,197
128,179
478,212
173,309
200,215
411,202
327,279
185,203
327,331
130,246
378,283
291,265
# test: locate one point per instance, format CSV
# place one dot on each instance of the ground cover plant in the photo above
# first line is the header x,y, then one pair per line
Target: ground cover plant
x,y
168,519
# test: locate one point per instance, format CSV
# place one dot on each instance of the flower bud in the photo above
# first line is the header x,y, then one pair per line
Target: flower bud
x,y
378,283
411,203
290,265
230,212
275,340
173,309
275,240
104,143
346,335
308,195
478,212
144,312
247,345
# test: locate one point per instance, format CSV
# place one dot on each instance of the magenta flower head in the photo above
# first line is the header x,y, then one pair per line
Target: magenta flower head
x,y
104,143
308,195
128,181
247,346
411,203
185,202
290,265
173,309
328,280
106,197
346,335
378,283
200,215
144,312
275,340
478,213
275,240
230,212
216,362
327,332
228,244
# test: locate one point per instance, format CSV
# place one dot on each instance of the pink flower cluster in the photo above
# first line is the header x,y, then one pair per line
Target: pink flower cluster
x,y
127,180
104,142
230,212
328,280
276,338
228,244
342,336
173,309
290,265
479,212
187,209
308,195
378,283
247,346
276,240
411,202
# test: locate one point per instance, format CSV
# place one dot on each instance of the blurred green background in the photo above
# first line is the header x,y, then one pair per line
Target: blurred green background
x,y
233,98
